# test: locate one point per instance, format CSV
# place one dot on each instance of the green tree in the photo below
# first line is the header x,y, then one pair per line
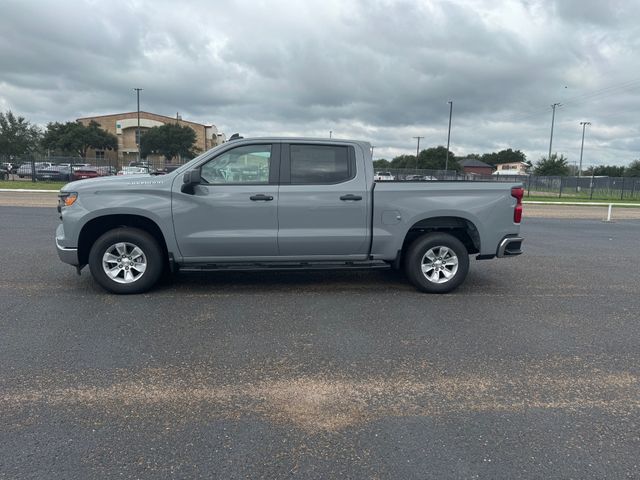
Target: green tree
x,y
504,156
434,158
404,161
76,138
381,164
17,135
554,165
609,170
169,140
633,170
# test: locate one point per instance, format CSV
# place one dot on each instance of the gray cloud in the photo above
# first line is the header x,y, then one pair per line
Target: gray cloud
x,y
376,70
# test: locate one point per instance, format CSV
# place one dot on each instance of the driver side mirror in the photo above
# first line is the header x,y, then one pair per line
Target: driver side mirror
x,y
189,180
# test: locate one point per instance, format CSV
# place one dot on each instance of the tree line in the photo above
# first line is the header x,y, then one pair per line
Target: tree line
x,y
434,158
19,138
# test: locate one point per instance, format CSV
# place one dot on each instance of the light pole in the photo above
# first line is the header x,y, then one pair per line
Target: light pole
x,y
330,133
446,161
584,125
417,151
553,117
138,90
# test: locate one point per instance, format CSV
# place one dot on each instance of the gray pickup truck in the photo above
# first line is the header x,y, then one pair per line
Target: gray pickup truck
x,y
283,203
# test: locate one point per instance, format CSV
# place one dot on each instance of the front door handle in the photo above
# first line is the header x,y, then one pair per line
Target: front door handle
x,y
261,197
351,197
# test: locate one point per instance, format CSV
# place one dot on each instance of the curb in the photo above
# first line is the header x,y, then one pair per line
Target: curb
x,y
27,190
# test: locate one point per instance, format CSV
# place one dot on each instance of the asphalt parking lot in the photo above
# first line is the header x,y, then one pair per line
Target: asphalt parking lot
x,y
530,370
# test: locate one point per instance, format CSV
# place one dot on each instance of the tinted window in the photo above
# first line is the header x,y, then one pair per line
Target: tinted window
x,y
320,164
248,164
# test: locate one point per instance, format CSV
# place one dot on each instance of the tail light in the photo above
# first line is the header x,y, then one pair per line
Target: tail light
x,y
517,193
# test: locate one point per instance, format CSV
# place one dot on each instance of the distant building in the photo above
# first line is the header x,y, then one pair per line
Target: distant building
x,y
513,168
472,165
124,127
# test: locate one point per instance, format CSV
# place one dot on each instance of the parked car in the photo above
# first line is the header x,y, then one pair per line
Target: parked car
x,y
26,169
383,176
55,173
413,178
301,204
82,173
106,170
134,171
9,167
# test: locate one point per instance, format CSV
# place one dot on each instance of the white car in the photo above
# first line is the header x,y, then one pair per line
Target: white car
x,y
383,176
133,171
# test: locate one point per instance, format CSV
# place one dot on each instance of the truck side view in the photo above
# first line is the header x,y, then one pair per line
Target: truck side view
x,y
283,203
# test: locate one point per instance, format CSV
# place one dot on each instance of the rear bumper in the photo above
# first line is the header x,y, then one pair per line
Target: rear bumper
x,y
510,247
66,254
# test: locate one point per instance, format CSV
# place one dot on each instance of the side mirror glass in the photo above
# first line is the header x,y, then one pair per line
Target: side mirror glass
x,y
189,180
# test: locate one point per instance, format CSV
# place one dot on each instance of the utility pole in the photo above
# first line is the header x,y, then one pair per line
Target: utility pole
x,y
330,133
553,117
584,125
446,161
417,151
138,90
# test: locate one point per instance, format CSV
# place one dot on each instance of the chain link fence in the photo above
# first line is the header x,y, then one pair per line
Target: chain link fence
x,y
585,187
42,168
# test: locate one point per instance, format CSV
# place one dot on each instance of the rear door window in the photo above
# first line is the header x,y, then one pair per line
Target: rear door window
x,y
321,164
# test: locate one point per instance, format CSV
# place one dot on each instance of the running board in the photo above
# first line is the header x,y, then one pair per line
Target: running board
x,y
253,267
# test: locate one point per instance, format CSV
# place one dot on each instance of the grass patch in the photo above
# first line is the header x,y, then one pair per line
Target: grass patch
x,y
25,185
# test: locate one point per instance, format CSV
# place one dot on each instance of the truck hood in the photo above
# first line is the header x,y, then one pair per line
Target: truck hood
x,y
120,182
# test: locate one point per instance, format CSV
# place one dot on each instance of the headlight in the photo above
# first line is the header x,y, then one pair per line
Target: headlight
x,y
67,198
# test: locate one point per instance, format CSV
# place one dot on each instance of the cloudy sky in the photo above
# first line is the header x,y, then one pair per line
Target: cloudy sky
x,y
380,71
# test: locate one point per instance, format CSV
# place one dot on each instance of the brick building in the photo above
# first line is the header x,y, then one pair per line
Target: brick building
x,y
124,127
472,165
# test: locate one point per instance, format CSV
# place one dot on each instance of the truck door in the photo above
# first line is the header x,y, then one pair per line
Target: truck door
x,y
233,211
322,202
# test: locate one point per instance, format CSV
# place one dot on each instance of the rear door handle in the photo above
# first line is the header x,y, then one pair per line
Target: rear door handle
x,y
350,197
261,197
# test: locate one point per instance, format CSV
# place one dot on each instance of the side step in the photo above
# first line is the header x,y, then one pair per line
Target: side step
x,y
254,267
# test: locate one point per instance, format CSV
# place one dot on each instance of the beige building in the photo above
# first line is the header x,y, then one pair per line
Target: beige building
x,y
513,168
124,127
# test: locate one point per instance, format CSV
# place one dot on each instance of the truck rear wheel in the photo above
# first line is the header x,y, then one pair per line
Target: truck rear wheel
x,y
437,263
126,260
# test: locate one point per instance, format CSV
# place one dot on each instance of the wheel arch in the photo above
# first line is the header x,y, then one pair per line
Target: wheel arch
x,y
461,228
97,226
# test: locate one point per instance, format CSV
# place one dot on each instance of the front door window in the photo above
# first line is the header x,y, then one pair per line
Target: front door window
x,y
243,165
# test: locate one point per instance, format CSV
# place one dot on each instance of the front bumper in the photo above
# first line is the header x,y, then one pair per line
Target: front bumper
x,y
66,254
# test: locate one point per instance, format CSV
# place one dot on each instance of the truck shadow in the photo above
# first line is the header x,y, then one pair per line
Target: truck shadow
x,y
288,281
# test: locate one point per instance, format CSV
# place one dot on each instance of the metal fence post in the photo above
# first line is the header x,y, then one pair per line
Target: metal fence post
x,y
622,190
529,186
560,192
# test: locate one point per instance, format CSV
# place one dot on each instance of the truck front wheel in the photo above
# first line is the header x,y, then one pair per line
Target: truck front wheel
x,y
437,263
126,260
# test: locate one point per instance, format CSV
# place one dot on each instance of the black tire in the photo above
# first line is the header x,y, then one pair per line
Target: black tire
x,y
126,238
442,266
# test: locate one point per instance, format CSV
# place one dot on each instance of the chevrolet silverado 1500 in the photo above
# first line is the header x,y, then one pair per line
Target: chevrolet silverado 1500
x,y
286,203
